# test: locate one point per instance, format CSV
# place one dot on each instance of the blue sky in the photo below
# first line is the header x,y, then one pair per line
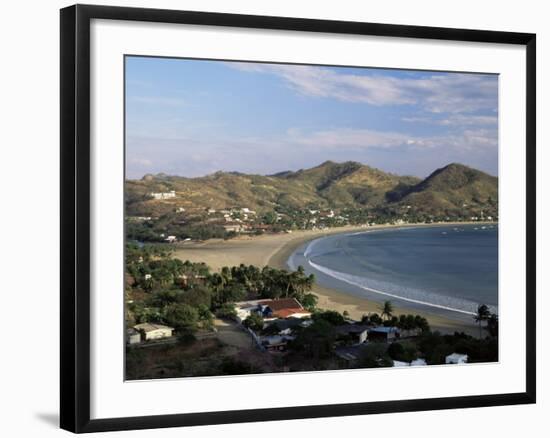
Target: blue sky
x,y
194,117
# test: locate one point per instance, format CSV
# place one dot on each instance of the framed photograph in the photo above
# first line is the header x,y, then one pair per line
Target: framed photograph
x,y
269,218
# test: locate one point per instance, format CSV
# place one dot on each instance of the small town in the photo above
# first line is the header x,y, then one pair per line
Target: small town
x,y
183,320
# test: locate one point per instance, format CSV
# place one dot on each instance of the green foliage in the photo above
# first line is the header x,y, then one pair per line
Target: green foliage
x,y
315,341
309,302
182,317
386,310
254,322
330,316
435,347
270,218
411,322
226,310
402,351
375,355
375,319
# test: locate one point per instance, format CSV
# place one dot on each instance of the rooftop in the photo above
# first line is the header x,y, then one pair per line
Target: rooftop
x,y
284,303
149,327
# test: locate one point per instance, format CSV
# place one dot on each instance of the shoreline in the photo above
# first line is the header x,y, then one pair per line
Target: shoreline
x,y
274,250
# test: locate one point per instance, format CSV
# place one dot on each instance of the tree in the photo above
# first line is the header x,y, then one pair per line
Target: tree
x,y
387,310
270,218
330,316
492,325
316,341
375,355
254,322
181,316
375,319
226,310
483,313
309,301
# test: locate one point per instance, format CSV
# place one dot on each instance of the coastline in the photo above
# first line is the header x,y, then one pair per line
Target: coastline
x,y
275,250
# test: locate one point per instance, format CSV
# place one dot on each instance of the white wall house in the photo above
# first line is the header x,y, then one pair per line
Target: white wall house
x,y
150,331
164,195
456,358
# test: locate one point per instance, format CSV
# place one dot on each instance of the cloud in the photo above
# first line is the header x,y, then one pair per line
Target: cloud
x,y
434,92
466,140
349,138
452,120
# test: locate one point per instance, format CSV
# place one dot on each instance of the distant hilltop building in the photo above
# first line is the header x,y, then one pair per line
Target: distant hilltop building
x,y
163,195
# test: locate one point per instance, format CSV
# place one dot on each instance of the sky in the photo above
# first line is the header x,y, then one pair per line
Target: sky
x,y
196,117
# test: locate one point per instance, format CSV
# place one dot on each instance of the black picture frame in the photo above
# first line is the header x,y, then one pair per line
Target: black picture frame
x,y
75,217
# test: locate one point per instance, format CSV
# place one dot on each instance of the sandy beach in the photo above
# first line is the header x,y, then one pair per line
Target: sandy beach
x,y
275,249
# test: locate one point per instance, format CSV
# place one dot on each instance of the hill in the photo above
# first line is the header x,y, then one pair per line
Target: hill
x,y
452,190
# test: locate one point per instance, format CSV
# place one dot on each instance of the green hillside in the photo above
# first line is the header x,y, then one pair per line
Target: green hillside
x,y
455,190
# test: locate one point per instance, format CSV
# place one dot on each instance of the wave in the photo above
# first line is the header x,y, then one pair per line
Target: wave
x,y
453,305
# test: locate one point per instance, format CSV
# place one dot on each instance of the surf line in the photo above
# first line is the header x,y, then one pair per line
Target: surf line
x,y
341,277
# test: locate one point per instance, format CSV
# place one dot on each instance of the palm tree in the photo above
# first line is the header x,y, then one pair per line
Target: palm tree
x,y
483,314
387,310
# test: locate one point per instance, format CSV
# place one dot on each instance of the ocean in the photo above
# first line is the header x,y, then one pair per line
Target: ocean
x,y
443,269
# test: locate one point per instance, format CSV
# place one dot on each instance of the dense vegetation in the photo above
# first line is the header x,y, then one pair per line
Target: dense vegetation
x,y
188,296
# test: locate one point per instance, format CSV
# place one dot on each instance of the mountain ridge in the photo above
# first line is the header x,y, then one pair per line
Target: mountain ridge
x,y
454,189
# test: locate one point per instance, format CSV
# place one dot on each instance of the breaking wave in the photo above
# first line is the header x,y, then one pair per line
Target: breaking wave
x,y
408,295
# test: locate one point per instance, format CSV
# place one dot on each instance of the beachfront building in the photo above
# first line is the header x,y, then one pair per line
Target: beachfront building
x,y
285,308
456,358
150,331
384,334
271,309
352,333
163,195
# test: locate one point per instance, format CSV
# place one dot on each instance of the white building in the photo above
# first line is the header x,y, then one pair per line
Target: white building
x,y
171,239
133,336
164,195
456,358
151,331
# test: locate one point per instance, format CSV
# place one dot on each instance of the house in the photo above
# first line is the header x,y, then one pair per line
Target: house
x,y
236,228
185,280
383,334
276,343
150,331
456,358
348,356
414,363
284,308
133,336
171,239
271,309
352,333
163,195
287,326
